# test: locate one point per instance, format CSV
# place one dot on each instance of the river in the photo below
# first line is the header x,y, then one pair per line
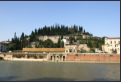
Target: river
x,y
58,71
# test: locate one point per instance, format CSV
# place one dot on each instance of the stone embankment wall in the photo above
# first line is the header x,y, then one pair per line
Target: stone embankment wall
x,y
92,57
70,57
10,57
43,49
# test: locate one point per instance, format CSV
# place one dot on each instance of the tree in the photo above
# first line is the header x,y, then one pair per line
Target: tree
x,y
61,44
81,29
92,49
84,30
40,46
48,43
36,46
103,39
40,42
89,44
71,39
12,46
55,45
61,37
100,46
29,46
59,41
95,44
15,35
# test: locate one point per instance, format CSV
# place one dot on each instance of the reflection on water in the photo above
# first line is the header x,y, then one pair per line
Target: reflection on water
x,y
61,71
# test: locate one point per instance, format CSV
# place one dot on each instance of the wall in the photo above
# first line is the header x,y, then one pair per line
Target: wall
x,y
43,49
84,47
53,38
93,57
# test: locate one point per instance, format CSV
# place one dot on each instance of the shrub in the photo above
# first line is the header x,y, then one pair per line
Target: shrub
x,y
4,55
54,54
92,49
60,55
76,54
111,55
35,57
40,56
1,58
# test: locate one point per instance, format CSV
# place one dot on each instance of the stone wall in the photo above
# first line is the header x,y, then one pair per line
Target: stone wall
x,y
93,57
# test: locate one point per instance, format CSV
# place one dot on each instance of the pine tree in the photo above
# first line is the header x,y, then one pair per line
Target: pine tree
x,y
84,30
61,37
59,41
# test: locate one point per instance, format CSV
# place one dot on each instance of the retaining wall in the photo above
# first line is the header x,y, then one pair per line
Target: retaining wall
x,y
43,49
92,57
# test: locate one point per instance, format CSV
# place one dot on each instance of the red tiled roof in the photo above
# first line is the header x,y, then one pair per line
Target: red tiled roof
x,y
114,38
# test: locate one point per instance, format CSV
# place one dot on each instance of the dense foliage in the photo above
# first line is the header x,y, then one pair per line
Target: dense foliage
x,y
22,42
92,42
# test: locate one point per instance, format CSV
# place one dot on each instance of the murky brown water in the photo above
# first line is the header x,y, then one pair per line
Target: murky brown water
x,y
53,71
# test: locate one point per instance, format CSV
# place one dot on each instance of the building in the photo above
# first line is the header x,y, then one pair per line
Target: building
x,y
69,48
99,38
3,47
83,47
66,41
111,45
74,48
86,36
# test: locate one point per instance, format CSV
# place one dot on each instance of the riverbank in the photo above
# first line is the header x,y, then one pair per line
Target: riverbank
x,y
35,60
79,58
88,61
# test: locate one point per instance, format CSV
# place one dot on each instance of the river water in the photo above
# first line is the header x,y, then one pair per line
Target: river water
x,y
58,71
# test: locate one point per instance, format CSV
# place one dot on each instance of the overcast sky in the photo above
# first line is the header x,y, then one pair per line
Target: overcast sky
x,y
101,18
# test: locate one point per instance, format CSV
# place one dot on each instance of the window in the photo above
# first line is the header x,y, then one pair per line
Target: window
x,y
114,41
118,41
111,42
115,45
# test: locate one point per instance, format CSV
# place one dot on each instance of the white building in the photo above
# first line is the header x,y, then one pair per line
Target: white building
x,y
3,47
111,45
65,41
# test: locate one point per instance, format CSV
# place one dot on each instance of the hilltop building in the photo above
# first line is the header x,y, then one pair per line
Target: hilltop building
x,y
86,36
99,38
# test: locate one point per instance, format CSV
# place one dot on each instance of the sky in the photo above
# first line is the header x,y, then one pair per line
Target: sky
x,y
101,18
